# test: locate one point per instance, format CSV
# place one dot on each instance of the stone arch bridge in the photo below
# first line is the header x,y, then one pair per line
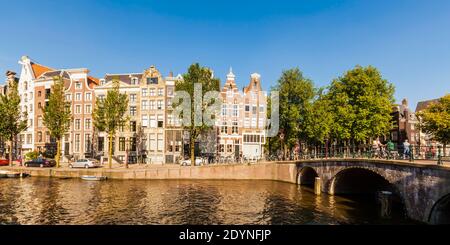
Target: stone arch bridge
x,y
423,189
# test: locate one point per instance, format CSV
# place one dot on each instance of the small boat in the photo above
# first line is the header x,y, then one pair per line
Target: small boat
x,y
90,177
11,174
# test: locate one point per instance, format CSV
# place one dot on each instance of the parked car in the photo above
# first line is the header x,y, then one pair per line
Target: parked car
x,y
4,162
85,163
198,161
40,162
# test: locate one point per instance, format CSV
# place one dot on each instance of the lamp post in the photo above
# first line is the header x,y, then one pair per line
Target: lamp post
x,y
127,140
282,145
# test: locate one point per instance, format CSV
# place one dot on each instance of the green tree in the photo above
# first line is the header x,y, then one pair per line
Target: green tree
x,y
57,115
435,120
361,102
13,121
296,94
197,74
319,120
109,114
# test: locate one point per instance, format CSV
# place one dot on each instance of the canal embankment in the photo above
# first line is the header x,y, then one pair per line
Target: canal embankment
x,y
257,171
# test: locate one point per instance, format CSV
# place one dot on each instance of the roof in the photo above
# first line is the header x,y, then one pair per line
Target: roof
x,y
125,78
58,73
92,82
38,69
422,105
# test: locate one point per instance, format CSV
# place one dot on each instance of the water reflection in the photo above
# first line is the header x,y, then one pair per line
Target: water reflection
x,y
73,201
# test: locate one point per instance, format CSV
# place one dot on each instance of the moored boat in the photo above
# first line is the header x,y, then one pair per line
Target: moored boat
x,y
12,174
90,177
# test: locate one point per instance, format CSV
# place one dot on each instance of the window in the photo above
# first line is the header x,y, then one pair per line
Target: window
x,y
121,127
31,95
152,92
169,102
78,96
133,98
77,124
88,109
77,85
88,97
224,110
247,108
160,142
39,105
261,108
160,104
39,93
68,97
169,91
160,92
77,142
152,80
221,148
235,129
39,138
229,148
160,121
77,109
29,138
133,110
87,143
133,126
31,108
144,105
39,121
235,110
153,121
101,97
224,128
253,109
152,105
144,92
102,82
144,121
254,122
122,144
25,85
152,142
134,81
87,124
247,123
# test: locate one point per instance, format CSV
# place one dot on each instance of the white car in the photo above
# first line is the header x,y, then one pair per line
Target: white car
x,y
85,163
198,162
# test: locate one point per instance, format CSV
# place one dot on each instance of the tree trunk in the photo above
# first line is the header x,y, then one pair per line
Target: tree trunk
x,y
192,148
110,146
58,151
10,152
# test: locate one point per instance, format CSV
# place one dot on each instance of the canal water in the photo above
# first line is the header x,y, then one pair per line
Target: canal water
x,y
74,201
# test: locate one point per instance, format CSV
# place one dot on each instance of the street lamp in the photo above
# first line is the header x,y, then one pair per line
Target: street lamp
x,y
127,140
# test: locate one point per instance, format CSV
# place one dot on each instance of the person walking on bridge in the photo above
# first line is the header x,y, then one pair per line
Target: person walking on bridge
x,y
406,150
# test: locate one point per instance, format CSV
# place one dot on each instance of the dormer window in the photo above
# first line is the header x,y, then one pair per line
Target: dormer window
x,y
102,82
78,85
134,81
152,80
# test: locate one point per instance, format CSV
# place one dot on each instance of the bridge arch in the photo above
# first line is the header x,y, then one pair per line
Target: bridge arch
x,y
359,180
307,176
440,213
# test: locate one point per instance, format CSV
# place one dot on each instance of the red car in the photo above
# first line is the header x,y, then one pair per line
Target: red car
x,y
4,162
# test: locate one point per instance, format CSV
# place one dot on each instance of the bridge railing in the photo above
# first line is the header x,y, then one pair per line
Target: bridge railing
x,y
396,152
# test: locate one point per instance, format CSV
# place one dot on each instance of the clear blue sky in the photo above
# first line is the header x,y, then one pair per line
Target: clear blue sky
x,y
409,41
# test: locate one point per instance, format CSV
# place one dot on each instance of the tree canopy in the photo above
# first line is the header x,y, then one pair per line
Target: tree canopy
x,y
435,120
57,115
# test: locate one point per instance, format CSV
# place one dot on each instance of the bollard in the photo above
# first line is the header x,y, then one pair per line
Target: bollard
x,y
317,186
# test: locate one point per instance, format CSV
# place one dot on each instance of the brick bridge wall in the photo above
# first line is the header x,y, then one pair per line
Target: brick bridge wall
x,y
420,187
